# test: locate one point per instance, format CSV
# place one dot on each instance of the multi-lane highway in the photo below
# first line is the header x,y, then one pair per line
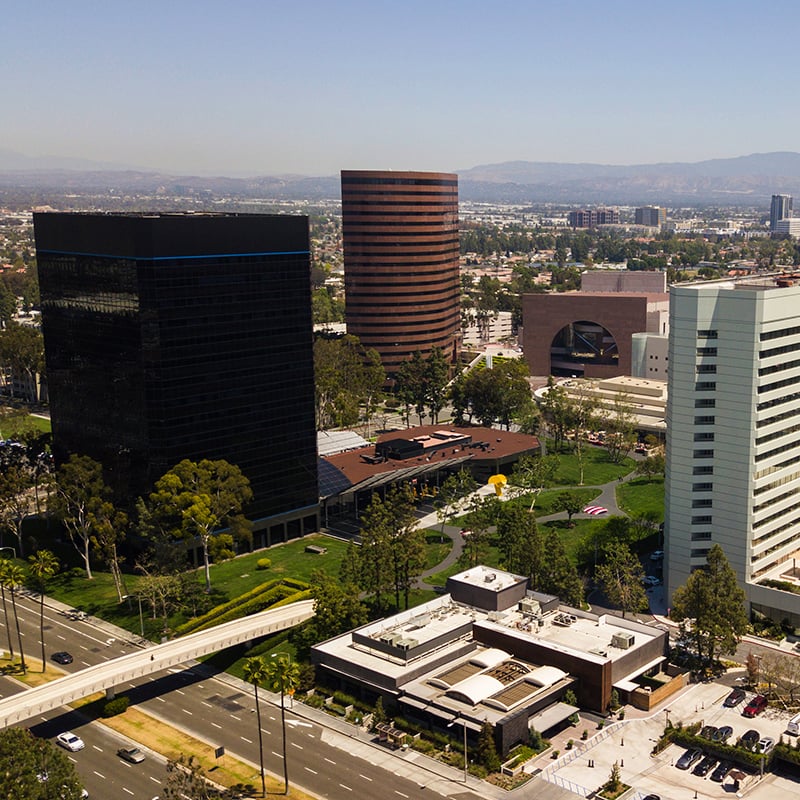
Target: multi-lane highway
x,y
222,713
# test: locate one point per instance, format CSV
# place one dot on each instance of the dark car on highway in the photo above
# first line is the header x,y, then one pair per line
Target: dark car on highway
x,y
755,706
688,758
62,657
734,698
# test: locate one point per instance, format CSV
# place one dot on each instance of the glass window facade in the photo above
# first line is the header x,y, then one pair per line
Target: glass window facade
x,y
182,336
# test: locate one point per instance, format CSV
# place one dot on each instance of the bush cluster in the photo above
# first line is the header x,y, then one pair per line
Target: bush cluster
x,y
119,705
263,563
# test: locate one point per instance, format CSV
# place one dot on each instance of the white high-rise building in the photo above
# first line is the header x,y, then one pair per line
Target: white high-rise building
x,y
733,435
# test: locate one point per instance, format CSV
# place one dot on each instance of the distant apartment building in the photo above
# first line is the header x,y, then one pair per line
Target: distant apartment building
x,y
788,227
591,218
780,208
733,449
401,262
652,216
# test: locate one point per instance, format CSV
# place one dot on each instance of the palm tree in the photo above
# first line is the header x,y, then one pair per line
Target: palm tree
x,y
256,671
12,576
4,564
43,565
283,675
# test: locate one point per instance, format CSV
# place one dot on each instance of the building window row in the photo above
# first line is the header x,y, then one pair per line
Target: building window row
x,y
768,387
704,520
706,368
703,454
777,546
772,501
778,367
770,437
704,421
784,448
779,334
776,467
706,470
705,402
704,502
704,436
705,386
706,351
702,487
707,334
700,552
792,412
775,484
777,515
779,351
701,536
778,401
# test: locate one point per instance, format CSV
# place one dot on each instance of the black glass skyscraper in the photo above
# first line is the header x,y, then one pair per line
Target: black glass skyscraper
x,y
173,336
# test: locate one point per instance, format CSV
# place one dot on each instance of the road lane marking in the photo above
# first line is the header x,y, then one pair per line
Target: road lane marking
x,y
155,780
99,749
345,787
312,771
298,746
329,761
245,739
99,774
277,754
161,700
266,731
125,789
400,793
236,718
365,777
216,726
186,711
180,691
208,705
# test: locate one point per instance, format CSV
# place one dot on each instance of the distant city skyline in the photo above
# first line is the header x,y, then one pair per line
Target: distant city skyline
x,y
312,88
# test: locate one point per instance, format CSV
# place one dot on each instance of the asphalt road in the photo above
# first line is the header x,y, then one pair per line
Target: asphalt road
x,y
210,709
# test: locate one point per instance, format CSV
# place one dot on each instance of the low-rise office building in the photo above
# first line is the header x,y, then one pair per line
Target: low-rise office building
x,y
492,650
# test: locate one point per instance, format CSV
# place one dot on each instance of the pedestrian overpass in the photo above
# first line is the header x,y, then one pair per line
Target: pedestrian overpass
x,y
110,674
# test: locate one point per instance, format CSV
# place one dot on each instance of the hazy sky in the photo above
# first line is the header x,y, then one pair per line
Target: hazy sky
x,y
315,86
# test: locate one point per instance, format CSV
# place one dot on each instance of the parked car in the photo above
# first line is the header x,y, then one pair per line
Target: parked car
x,y
755,706
735,697
765,744
688,758
62,657
750,738
651,580
131,754
657,555
651,797
721,772
708,732
723,734
69,741
705,766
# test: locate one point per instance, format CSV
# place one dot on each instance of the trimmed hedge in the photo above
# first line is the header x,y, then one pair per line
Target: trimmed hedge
x,y
119,705
277,592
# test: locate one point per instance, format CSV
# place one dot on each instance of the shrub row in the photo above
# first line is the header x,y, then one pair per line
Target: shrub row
x,y
270,594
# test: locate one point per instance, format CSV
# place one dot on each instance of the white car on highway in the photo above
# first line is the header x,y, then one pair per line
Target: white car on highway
x,y
69,741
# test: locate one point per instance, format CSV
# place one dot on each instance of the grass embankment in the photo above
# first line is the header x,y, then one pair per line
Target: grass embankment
x,y
642,496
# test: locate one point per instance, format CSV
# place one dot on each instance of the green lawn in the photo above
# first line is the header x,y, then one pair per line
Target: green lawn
x,y
642,496
597,467
546,501
14,424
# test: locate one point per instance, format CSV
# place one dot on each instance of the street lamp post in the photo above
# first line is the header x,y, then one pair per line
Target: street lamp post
x,y
464,724
130,597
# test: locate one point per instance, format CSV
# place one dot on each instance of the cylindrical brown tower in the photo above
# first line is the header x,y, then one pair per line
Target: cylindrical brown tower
x,y
401,252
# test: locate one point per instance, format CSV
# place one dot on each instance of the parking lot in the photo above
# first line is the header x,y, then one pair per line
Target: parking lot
x,y
629,743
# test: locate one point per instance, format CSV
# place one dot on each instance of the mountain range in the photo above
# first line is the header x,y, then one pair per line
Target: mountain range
x,y
744,181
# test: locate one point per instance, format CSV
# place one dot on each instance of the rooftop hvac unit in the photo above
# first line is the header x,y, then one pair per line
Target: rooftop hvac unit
x,y
597,651
496,616
623,641
490,577
530,607
406,644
